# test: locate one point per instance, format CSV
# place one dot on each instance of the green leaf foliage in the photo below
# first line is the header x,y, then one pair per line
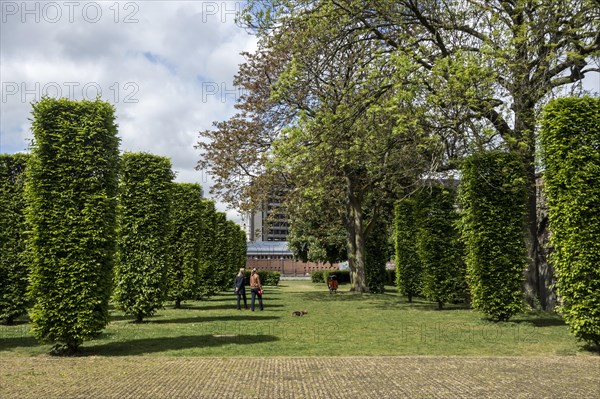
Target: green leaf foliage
x,y
13,264
570,147
71,191
492,196
144,230
438,246
185,241
222,251
376,256
408,264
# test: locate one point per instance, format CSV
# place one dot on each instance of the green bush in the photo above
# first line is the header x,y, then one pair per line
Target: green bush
x,y
267,278
185,240
208,258
14,270
570,147
408,265
438,246
71,192
492,194
144,230
222,251
376,256
317,276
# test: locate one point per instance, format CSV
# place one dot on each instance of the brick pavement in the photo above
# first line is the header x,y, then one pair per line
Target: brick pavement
x,y
309,377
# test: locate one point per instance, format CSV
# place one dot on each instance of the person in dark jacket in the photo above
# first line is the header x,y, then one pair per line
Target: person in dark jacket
x,y
240,289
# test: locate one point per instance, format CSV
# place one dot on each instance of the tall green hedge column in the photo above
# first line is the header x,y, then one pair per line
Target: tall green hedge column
x,y
439,247
570,138
185,240
144,229
71,190
13,265
408,265
492,196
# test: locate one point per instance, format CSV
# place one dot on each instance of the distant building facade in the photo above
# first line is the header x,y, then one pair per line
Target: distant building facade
x,y
270,223
276,256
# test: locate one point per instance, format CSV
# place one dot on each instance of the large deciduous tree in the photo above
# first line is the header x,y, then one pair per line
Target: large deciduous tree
x,y
330,96
490,65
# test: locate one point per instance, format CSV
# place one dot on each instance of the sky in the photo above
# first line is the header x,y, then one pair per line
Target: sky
x,y
166,66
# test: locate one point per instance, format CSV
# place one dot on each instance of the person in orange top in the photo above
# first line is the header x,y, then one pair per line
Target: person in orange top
x,y
255,289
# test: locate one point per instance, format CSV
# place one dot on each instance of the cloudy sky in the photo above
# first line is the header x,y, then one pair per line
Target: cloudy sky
x,y
167,66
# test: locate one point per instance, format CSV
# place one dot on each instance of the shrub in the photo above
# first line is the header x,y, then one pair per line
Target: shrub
x,y
13,265
270,278
376,256
570,143
317,276
71,191
438,246
208,258
144,229
408,264
492,194
186,228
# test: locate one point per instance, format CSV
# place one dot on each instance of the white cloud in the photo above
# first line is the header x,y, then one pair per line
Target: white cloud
x,y
167,66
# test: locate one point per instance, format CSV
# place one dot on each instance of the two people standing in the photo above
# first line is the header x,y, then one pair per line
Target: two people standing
x,y
255,289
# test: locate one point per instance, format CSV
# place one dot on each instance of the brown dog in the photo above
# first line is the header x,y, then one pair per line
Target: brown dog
x,y
299,312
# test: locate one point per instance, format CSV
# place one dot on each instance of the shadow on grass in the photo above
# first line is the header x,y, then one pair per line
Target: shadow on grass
x,y
17,342
230,306
154,345
540,319
203,319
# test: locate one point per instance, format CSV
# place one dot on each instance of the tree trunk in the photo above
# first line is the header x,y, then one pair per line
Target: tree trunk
x,y
178,303
356,239
525,135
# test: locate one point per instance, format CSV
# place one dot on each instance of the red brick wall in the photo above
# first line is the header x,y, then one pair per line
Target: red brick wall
x,y
289,267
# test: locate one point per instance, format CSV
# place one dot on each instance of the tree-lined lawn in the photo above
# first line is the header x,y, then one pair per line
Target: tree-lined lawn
x,y
341,324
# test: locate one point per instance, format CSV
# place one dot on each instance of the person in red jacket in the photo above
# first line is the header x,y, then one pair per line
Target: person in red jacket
x,y
255,289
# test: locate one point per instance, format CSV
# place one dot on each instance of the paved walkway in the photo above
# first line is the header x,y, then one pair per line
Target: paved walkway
x,y
330,377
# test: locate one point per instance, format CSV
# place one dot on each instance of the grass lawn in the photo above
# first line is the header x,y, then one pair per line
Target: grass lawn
x,y
341,324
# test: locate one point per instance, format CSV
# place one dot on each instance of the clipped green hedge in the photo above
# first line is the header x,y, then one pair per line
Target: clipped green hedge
x,y
267,277
408,265
144,230
206,268
376,256
317,276
222,251
570,148
14,270
185,240
492,195
71,191
438,246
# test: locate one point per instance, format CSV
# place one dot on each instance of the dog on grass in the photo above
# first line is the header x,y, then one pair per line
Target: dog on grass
x,y
299,312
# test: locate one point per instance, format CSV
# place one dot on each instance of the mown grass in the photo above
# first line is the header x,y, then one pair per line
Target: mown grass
x,y
342,324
